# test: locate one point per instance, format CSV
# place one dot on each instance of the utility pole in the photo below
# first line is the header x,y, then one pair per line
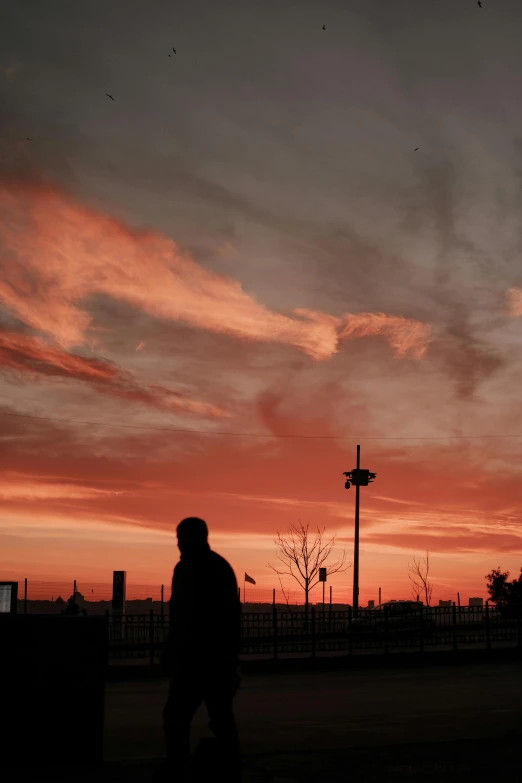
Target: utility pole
x,y
356,541
359,478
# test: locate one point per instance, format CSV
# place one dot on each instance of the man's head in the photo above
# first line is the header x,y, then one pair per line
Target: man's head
x,y
192,535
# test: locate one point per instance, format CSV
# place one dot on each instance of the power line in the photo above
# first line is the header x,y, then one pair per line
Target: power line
x,y
253,434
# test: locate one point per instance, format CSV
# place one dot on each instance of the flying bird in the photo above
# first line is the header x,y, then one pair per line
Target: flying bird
x,y
109,96
173,50
416,148
479,4
324,27
28,139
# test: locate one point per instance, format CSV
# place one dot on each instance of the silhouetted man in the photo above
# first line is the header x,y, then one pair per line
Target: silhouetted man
x,y
202,649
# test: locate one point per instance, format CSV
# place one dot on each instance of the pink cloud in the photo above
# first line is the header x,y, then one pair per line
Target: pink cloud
x,y
17,486
403,334
515,302
27,354
56,253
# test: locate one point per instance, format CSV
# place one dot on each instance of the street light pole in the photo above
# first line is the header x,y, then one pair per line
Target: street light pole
x,y
355,601
359,478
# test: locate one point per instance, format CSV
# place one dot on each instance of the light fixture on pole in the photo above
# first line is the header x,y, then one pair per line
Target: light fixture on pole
x,y
359,477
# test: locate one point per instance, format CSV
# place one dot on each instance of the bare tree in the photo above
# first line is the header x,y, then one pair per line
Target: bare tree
x,y
303,559
419,573
283,589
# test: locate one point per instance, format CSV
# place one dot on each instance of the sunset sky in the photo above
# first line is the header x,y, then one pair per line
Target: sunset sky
x,y
245,242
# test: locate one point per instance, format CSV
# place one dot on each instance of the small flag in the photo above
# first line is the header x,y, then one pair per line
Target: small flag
x,y
249,579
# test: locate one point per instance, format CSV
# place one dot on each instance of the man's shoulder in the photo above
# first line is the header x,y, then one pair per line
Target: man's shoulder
x,y
218,561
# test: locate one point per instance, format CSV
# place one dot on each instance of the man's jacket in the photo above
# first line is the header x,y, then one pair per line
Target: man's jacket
x,y
205,611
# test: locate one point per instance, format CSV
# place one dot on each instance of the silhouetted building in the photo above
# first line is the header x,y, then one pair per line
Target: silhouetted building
x,y
445,603
371,604
476,602
78,598
72,609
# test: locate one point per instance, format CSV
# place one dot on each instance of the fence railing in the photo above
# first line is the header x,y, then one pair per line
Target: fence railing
x,y
277,633
50,596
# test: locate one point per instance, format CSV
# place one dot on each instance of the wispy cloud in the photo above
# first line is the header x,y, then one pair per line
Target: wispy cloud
x,y
15,486
514,302
470,541
403,334
56,253
26,354
396,500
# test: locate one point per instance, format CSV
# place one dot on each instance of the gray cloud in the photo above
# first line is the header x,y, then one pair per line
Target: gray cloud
x,y
298,149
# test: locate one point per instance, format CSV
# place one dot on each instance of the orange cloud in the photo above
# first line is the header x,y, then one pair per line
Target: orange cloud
x,y
452,541
26,354
15,486
515,302
56,253
32,490
403,334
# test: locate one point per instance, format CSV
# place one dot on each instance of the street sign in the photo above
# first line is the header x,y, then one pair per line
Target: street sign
x,y
322,574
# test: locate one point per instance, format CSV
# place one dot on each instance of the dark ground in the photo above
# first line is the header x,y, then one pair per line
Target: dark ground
x,y
443,723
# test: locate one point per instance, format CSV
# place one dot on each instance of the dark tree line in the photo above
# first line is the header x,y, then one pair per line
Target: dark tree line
x,y
507,595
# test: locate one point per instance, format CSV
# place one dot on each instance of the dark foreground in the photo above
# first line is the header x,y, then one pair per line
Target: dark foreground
x,y
447,762
443,723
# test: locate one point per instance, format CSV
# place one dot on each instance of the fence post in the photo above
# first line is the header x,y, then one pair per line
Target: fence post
x,y
74,591
519,629
274,629
25,595
107,617
313,631
162,599
488,640
151,637
386,631
421,648
454,610
349,630
330,615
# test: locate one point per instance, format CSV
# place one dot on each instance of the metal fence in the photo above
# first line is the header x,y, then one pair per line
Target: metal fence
x,y
50,597
276,634
37,596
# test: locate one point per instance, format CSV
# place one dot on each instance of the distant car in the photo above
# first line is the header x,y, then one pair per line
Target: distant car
x,y
404,617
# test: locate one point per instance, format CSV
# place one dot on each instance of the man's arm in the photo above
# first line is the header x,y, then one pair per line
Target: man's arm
x,y
232,610
168,650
